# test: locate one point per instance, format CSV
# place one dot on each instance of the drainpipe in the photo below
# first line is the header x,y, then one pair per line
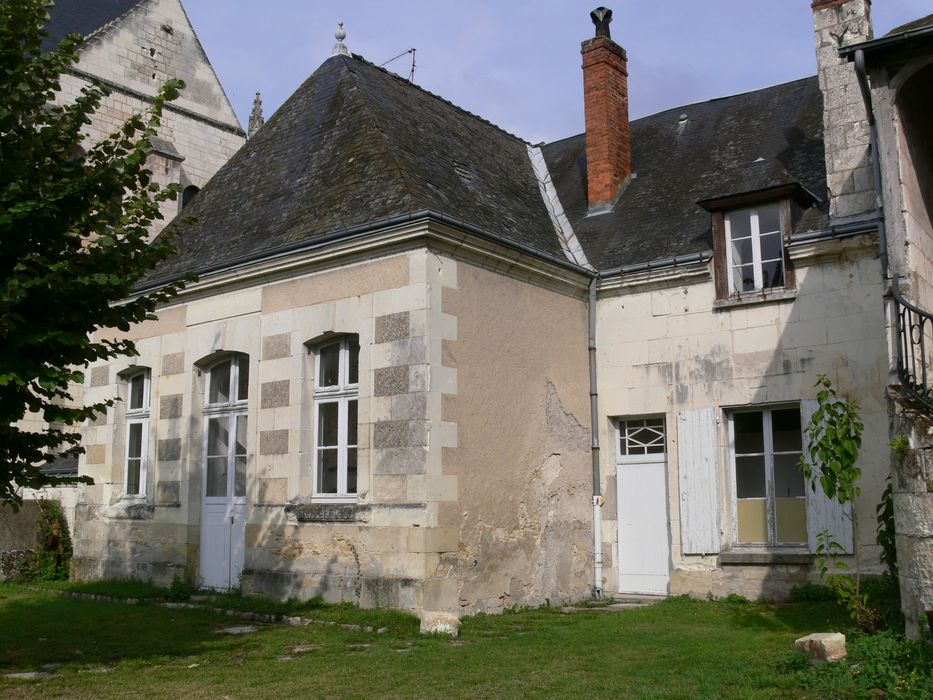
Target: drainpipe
x,y
598,499
862,74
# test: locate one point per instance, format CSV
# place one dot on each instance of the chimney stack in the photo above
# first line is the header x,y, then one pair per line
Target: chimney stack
x,y
846,134
605,101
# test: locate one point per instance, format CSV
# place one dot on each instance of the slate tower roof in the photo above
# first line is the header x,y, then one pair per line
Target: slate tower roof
x,y
83,17
353,146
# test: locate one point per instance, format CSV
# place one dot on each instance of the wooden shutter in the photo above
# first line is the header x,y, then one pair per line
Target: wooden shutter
x,y
824,513
700,531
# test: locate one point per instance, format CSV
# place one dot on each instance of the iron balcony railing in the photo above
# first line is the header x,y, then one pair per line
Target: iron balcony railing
x,y
914,328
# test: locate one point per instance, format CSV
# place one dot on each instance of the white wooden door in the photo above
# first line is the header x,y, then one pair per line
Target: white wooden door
x,y
223,515
644,536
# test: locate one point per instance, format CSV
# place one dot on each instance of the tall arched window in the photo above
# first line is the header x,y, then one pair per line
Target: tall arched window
x,y
336,394
225,411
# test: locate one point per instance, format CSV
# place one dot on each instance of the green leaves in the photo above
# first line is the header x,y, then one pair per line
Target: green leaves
x,y
74,223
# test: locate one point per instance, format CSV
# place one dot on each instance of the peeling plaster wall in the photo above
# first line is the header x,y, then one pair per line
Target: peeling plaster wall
x,y
522,462
662,349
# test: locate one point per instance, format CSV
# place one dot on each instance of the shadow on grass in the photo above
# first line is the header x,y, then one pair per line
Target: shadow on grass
x,y
46,628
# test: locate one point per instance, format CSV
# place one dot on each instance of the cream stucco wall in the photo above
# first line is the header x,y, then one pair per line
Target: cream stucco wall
x,y
663,349
522,461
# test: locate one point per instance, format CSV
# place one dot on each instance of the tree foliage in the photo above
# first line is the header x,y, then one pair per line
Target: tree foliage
x,y
74,220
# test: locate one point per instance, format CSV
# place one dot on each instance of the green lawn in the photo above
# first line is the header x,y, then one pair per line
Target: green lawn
x,y
676,649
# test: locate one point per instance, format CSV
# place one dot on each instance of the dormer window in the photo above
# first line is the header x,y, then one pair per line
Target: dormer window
x,y
754,248
750,262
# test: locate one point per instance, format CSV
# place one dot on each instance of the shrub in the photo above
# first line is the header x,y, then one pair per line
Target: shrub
x,y
52,559
811,593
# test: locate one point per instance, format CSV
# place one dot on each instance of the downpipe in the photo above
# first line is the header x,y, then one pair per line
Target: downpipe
x,y
598,499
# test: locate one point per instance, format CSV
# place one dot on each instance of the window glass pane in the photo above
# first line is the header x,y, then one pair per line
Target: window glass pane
x,y
788,477
329,359
327,471
217,476
750,477
239,477
351,422
351,470
772,247
753,521
217,437
741,251
137,389
785,430
791,520
739,223
133,468
749,436
769,218
219,391
743,278
134,441
353,343
240,436
243,379
327,425
772,274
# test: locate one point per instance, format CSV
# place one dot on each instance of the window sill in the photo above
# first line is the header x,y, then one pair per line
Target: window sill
x,y
765,557
755,298
332,512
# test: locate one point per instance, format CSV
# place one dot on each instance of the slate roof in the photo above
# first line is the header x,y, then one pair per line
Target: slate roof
x,y
355,145
727,146
920,23
83,17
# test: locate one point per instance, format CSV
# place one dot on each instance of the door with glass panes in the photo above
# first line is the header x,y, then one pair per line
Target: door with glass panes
x,y
223,519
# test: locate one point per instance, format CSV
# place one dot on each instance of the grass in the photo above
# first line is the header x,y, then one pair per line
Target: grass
x,y
679,648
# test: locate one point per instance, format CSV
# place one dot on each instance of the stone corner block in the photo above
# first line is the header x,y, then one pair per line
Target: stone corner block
x,y
392,327
100,376
168,493
274,394
822,646
390,381
169,450
173,363
170,406
275,347
273,442
440,623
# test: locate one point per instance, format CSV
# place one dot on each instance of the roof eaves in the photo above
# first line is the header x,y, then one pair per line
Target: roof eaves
x,y
886,42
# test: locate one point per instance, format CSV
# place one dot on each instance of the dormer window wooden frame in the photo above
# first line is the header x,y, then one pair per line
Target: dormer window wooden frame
x,y
744,234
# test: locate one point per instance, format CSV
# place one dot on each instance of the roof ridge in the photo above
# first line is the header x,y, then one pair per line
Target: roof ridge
x,y
691,104
115,20
467,112
390,152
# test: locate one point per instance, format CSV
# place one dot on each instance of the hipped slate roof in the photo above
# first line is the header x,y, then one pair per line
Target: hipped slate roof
x,y
356,145
353,146
732,145
83,17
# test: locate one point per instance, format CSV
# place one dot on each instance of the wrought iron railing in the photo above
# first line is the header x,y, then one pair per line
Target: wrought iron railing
x,y
914,328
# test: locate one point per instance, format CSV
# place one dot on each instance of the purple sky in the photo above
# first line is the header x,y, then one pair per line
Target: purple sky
x,y
517,63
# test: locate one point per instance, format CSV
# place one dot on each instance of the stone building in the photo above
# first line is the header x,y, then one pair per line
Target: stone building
x,y
133,47
431,366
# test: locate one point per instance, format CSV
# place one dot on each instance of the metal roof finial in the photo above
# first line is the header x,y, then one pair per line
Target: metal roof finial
x,y
340,49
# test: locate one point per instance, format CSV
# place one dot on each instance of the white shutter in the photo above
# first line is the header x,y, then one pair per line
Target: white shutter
x,y
824,513
699,482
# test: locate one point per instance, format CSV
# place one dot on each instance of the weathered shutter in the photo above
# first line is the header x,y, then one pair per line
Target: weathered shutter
x,y
699,482
824,513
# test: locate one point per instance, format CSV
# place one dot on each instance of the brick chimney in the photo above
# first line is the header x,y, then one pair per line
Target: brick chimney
x,y
605,101
838,23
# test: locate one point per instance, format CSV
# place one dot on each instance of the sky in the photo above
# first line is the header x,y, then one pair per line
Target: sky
x,y
516,63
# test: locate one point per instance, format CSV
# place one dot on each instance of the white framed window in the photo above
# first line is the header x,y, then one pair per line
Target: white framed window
x,y
225,409
754,248
336,397
769,485
137,432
